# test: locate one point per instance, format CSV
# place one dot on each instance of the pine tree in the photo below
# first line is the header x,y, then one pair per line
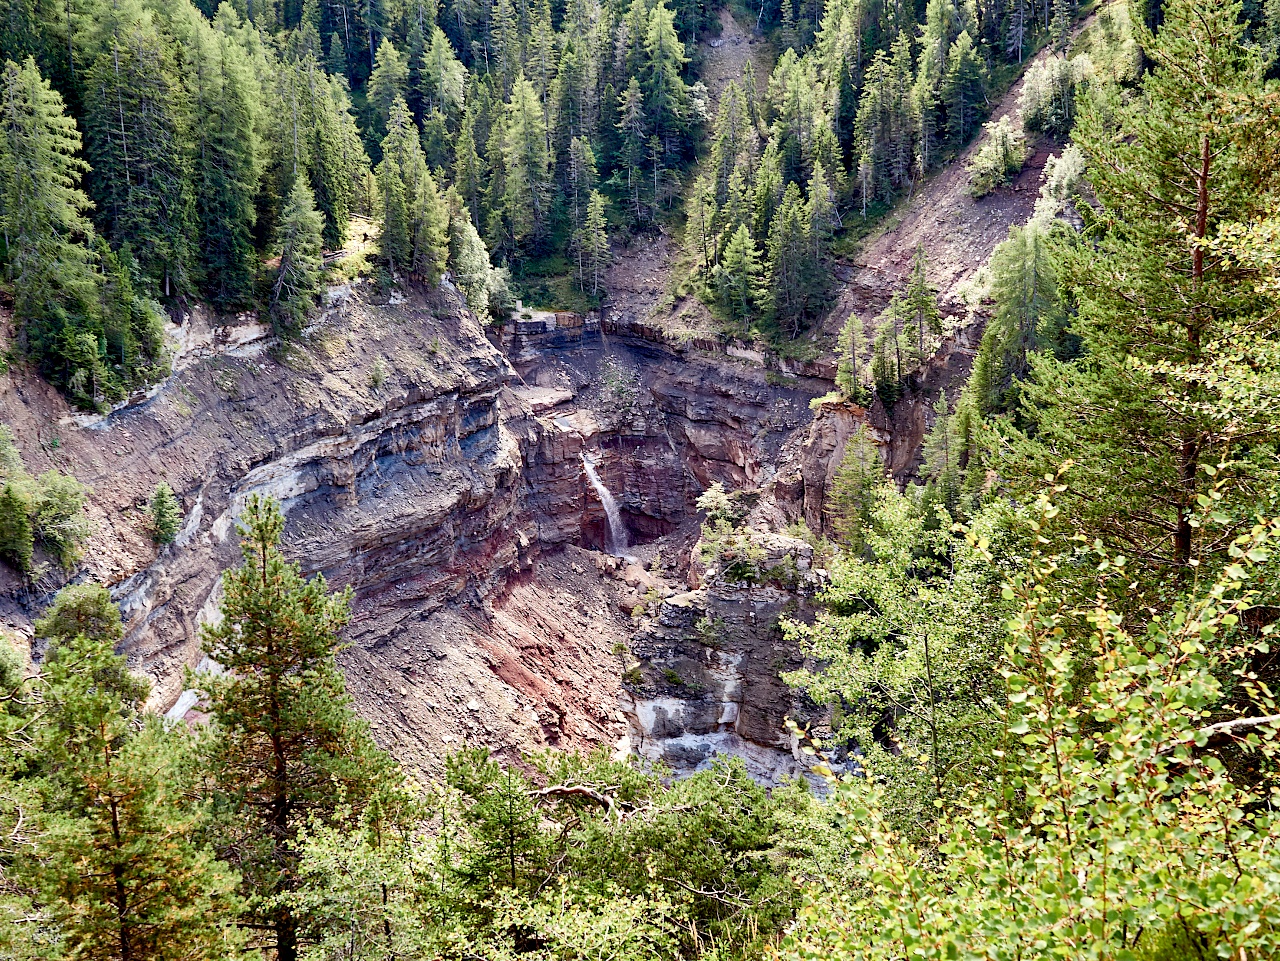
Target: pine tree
x,y
297,277
286,748
1197,150
822,216
443,77
943,451
166,515
581,177
887,367
666,97
401,173
415,83
114,858
794,282
337,159
336,59
919,302
1028,316
700,230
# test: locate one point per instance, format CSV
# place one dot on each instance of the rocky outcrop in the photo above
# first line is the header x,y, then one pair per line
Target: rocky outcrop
x,y
404,464
707,675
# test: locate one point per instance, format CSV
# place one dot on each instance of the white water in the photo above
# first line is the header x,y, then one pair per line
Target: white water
x,y
618,542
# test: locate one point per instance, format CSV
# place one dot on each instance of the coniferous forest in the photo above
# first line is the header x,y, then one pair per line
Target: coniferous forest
x,y
1041,658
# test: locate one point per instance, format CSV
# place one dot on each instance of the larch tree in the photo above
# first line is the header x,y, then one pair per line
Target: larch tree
x,y
592,244
526,159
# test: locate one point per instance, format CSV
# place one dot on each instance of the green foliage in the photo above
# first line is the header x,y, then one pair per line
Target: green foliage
x,y
48,510
136,144
285,748
1048,99
114,859
999,159
738,279
1148,289
1109,826
907,639
296,284
852,494
165,514
1028,317
109,865
578,858
17,539
87,330
852,363
591,244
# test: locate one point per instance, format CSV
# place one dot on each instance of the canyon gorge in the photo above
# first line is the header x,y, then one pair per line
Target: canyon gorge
x,y
444,471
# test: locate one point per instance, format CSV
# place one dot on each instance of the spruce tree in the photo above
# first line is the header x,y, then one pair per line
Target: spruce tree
x,y
225,168
739,279
964,88
795,284
166,515
431,236
665,95
297,277
851,349
402,175
42,212
468,258
285,749
138,145
387,83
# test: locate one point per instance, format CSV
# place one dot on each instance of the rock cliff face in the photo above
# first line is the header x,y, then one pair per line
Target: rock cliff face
x,y
447,488
407,469
708,680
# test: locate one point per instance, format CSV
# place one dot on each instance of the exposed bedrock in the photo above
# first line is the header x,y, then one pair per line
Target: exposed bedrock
x,y
708,678
447,487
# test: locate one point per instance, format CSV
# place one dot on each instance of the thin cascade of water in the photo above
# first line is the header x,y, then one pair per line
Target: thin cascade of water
x,y
618,541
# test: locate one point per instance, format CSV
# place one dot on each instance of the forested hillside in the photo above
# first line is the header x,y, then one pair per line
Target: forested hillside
x,y
1042,681
153,152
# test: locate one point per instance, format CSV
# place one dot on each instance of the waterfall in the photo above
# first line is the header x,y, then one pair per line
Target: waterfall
x,y
618,542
